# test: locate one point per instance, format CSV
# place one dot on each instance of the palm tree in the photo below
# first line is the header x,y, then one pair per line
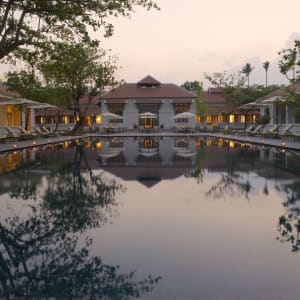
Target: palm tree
x,y
266,66
247,69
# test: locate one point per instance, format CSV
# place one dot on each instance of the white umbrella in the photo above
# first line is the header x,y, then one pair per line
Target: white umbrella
x,y
110,153
185,153
110,115
148,152
147,115
185,114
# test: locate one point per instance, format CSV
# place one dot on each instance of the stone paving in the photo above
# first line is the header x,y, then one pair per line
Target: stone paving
x,y
15,145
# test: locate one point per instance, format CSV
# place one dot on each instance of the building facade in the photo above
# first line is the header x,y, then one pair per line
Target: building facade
x,y
149,104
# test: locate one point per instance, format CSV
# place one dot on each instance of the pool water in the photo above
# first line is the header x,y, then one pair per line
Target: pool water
x,y
155,218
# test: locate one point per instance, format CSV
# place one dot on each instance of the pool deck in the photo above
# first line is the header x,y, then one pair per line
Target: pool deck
x,y
18,145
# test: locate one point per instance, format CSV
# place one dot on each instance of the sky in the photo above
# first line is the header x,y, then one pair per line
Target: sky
x,y
186,39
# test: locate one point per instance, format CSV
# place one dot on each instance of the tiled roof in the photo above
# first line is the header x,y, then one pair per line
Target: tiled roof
x,y
214,98
148,80
142,91
5,92
282,92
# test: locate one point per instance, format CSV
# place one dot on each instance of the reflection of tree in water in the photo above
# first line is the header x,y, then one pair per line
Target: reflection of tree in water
x,y
40,254
231,184
234,182
83,198
199,171
289,223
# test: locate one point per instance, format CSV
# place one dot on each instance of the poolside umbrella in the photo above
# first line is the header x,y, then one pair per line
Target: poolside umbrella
x,y
110,153
147,115
185,153
110,115
185,114
148,152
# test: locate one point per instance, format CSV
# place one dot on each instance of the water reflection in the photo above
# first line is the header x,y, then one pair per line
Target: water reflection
x,y
289,223
42,253
47,248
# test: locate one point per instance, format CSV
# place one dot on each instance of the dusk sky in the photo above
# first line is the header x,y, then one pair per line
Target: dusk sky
x,y
187,38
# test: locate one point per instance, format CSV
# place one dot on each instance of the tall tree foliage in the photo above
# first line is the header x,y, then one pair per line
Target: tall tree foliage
x,y
83,70
200,105
289,63
247,69
65,74
29,25
231,84
266,66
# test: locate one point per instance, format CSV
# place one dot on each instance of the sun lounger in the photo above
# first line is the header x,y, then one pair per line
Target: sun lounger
x,y
286,129
257,129
250,128
273,129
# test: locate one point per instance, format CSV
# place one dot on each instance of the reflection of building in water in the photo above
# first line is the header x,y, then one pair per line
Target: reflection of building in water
x,y
154,158
151,159
12,160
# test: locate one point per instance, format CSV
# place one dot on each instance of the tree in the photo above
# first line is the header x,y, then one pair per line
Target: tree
x,y
191,85
26,26
200,105
84,70
247,69
266,66
230,83
66,73
290,61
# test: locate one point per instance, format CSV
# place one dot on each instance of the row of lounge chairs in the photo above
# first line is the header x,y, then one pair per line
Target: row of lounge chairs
x,y
281,130
13,133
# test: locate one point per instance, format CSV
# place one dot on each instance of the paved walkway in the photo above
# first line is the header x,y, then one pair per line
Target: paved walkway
x,y
11,146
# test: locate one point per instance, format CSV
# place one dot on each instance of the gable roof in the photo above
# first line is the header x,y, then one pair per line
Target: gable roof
x,y
284,91
148,81
148,88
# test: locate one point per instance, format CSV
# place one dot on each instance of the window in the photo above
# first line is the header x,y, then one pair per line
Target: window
x,y
208,119
98,119
181,107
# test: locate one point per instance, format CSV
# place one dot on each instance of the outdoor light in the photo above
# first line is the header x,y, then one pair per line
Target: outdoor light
x,y
14,146
283,144
34,142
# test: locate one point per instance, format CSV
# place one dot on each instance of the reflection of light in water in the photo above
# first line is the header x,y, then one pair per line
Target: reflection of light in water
x,y
98,145
148,143
88,144
198,144
220,143
209,143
